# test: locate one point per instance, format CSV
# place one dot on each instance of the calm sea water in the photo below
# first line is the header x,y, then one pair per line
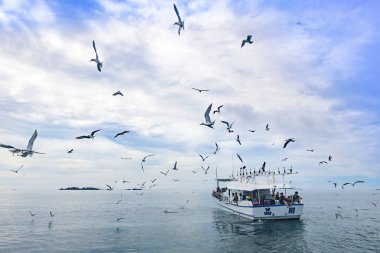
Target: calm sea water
x,y
85,221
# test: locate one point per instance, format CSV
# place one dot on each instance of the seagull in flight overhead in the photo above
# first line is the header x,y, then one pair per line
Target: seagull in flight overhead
x,y
118,93
207,118
70,151
330,158
16,171
24,152
200,90
247,40
216,148
144,160
218,110
287,141
164,173
51,214
119,219
310,150
99,64
241,160
356,182
126,158
180,23
90,136
206,169
109,188
345,184
32,214
175,166
267,127
229,126
238,139
203,158
121,133
252,131
322,162
285,159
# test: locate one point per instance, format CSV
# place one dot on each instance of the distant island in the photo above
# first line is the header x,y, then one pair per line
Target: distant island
x,y
79,189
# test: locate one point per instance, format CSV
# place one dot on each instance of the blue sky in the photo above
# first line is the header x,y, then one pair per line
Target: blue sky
x,y
311,73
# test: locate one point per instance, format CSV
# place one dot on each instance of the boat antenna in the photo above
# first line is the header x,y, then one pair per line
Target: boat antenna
x,y
217,181
233,165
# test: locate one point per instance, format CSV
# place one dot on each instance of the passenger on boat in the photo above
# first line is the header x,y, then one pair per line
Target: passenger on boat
x,y
254,201
282,198
296,198
289,200
277,196
236,198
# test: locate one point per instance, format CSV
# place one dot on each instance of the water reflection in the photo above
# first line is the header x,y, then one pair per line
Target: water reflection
x,y
268,236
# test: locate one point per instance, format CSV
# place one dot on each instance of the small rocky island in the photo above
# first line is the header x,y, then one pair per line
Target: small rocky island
x,y
79,189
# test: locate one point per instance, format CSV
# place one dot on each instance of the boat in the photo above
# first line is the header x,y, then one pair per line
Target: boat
x,y
253,195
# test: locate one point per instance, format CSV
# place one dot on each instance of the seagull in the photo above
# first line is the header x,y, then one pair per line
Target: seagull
x,y
109,188
180,23
335,184
287,141
154,180
183,206
338,215
125,181
217,148
200,91
98,63
238,139
121,133
203,158
24,152
267,127
322,162
285,159
118,93
207,118
90,136
140,193
241,160
151,186
218,110
310,150
166,211
118,201
126,158
247,40
119,219
32,214
70,151
175,166
375,205
144,160
206,169
175,180
252,131
263,167
51,214
229,126
357,182
16,171
330,158
164,173
194,171
344,185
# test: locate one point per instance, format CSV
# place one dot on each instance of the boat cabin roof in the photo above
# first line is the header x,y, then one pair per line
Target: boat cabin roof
x,y
251,187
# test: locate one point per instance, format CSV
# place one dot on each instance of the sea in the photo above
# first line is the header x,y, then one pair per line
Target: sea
x,y
186,221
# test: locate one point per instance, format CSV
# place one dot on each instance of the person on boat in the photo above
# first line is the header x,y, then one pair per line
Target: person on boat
x,y
254,201
236,198
289,199
296,198
277,196
282,198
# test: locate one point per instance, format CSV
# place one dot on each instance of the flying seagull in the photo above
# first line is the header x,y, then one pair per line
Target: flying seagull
x,y
338,215
267,127
109,188
218,110
70,151
252,131
180,23
344,185
357,182
206,169
200,90
16,171
241,160
126,158
375,205
175,166
287,141
164,173
24,152
238,139
90,136
118,93
98,63
247,40
32,214
121,133
51,214
216,148
203,158
330,158
322,162
285,159
175,180
310,150
144,160
119,219
229,126
207,118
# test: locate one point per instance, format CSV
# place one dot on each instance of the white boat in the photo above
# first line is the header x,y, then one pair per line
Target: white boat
x,y
253,196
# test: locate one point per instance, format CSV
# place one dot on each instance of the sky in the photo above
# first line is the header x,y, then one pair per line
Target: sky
x,y
311,74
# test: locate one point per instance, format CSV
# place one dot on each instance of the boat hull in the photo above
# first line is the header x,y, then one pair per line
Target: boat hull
x,y
262,212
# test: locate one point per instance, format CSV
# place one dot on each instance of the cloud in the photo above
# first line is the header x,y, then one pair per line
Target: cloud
x,y
281,79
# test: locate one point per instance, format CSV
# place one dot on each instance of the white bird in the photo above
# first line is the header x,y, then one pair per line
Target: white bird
x,y
121,133
144,160
51,214
218,110
206,169
164,173
32,214
90,136
207,118
247,40
118,93
216,148
99,64
203,158
175,166
241,160
229,126
180,23
24,152
267,127
16,171
238,139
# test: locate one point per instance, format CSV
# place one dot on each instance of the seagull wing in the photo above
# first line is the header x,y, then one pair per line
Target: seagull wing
x,y
93,44
225,122
118,134
242,43
83,137
5,146
207,114
176,11
94,132
31,141
240,158
286,143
